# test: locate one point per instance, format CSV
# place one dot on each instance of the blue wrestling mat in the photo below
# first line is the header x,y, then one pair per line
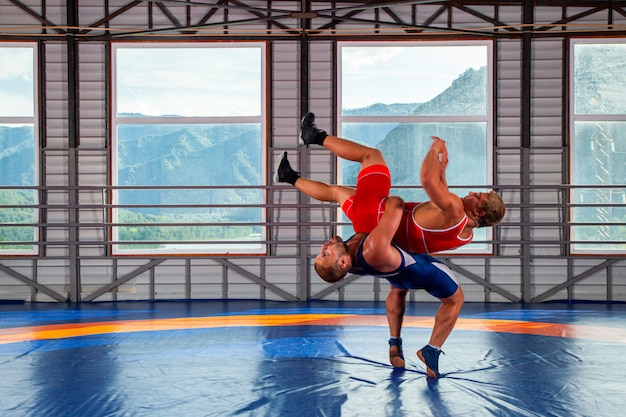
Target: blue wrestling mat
x,y
260,358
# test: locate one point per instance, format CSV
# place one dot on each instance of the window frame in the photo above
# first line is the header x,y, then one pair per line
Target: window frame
x,y
585,117
34,121
234,246
486,248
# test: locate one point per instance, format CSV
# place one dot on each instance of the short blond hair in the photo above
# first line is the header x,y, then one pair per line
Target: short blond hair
x,y
494,209
332,273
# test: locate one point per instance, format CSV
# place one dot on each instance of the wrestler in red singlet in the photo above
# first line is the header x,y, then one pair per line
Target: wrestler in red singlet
x,y
414,238
365,208
367,205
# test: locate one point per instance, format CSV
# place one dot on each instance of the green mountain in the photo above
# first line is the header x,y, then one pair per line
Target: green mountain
x,y
223,155
17,155
230,155
405,145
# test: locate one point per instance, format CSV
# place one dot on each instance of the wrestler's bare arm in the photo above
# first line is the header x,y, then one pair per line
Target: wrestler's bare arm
x,y
377,249
434,181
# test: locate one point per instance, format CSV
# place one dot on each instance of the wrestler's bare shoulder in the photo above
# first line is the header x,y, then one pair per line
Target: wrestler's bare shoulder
x,y
429,216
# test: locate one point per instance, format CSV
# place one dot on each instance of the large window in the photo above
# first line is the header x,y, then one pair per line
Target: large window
x,y
396,95
189,147
598,132
18,154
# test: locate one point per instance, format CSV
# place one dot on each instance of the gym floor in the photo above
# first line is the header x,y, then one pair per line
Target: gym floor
x,y
317,358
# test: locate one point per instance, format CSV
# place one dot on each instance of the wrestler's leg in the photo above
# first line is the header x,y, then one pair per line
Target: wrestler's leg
x,y
446,318
396,306
353,151
343,148
324,192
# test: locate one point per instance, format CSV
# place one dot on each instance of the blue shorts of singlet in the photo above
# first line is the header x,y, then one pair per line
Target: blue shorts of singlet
x,y
427,273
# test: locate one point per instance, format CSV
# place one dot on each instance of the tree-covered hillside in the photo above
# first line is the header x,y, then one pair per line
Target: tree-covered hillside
x,y
223,155
17,155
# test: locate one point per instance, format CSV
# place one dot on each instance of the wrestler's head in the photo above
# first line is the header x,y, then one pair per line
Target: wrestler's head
x,y
333,261
486,209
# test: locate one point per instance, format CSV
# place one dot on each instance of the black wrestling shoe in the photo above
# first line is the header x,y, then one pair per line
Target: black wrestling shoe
x,y
309,133
283,171
430,356
396,357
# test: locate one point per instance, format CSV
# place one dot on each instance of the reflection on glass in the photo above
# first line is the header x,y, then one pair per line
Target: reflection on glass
x,y
600,78
600,160
405,145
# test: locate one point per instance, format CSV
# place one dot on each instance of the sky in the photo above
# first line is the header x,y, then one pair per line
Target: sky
x,y
166,81
160,81
16,82
401,74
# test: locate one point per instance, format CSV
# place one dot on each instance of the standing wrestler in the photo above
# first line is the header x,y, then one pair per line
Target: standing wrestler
x,y
366,204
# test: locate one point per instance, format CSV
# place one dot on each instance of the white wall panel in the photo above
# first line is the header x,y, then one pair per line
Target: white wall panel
x,y
285,94
508,94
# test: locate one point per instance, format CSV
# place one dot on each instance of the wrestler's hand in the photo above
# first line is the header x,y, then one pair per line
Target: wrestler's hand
x,y
439,146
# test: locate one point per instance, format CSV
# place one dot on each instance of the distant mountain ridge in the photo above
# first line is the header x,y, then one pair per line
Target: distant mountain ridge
x,y
380,109
405,144
191,155
231,154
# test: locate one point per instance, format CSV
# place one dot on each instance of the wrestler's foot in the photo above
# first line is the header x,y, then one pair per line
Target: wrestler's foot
x,y
283,171
430,356
396,357
309,133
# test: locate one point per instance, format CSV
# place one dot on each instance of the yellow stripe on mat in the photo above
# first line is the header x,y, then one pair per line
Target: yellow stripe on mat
x,y
60,331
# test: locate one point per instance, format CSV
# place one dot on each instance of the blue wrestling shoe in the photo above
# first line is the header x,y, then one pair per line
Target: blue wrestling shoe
x,y
309,133
396,357
430,356
283,171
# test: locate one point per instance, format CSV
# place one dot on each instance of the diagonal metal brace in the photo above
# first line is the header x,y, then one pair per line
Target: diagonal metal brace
x,y
33,284
574,280
37,16
256,279
347,280
479,280
124,279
